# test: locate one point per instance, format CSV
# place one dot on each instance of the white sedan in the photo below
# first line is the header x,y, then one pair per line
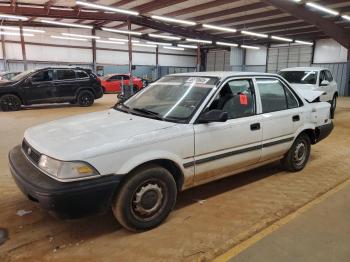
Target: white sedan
x,y
181,131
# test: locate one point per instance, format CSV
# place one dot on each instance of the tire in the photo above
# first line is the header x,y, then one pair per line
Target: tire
x,y
145,199
10,103
85,98
298,155
333,106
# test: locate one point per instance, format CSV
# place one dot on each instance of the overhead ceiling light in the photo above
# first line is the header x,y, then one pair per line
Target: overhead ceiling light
x,y
254,34
220,28
250,47
66,24
144,45
16,17
165,36
281,38
14,34
123,40
226,44
24,29
158,43
346,17
110,42
107,8
173,20
322,8
303,42
297,1
68,38
188,46
82,36
174,48
198,40
121,31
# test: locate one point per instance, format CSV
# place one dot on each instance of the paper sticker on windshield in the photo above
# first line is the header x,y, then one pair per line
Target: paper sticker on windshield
x,y
198,80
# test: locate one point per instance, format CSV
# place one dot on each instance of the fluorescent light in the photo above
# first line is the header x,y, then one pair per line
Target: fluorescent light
x,y
103,7
110,42
66,24
123,40
220,28
281,38
173,20
321,8
82,36
297,1
165,36
226,44
144,45
250,47
120,31
303,42
24,29
188,46
198,41
346,17
68,38
158,43
254,34
174,48
15,34
16,17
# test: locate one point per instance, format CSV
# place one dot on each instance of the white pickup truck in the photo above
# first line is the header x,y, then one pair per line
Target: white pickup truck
x,y
181,131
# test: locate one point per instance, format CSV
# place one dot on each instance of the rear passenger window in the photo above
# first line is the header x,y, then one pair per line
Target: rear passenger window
x,y
329,76
65,74
274,96
82,74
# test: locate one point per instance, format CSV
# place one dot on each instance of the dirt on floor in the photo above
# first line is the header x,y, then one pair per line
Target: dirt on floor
x,y
234,209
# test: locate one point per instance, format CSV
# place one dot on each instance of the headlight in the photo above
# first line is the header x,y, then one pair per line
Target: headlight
x,y
66,170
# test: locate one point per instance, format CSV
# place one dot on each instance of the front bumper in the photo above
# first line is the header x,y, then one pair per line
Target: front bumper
x,y
64,199
324,131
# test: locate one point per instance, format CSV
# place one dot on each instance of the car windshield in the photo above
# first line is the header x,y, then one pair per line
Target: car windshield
x,y
172,98
300,77
22,75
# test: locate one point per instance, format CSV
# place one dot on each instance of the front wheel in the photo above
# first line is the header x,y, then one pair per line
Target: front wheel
x,y
10,103
86,98
333,106
298,155
145,199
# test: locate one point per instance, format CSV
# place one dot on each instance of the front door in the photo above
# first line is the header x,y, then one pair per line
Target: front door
x,y
40,88
65,84
222,148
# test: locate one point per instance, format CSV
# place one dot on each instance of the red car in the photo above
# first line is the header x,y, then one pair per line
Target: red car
x,y
112,83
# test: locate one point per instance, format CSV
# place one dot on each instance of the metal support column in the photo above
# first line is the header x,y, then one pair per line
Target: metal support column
x,y
94,51
198,57
4,52
157,62
23,46
347,91
130,56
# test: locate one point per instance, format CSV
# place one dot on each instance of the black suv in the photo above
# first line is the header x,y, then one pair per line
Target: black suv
x,y
50,85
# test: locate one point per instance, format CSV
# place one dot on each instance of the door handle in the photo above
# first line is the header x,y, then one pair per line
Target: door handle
x,y
255,126
296,118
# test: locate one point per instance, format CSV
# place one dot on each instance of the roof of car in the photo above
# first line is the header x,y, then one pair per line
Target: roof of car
x,y
303,69
223,74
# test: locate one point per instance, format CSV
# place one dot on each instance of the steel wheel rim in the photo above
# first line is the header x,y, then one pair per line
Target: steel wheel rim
x,y
85,99
300,154
10,103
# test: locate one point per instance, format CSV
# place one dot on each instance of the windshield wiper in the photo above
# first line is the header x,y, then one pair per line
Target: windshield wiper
x,y
148,112
121,104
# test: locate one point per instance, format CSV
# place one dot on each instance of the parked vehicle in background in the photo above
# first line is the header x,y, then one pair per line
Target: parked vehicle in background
x,y
8,75
182,131
112,83
50,85
313,78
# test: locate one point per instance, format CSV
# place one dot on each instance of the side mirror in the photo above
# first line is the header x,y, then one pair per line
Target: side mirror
x,y
214,115
324,83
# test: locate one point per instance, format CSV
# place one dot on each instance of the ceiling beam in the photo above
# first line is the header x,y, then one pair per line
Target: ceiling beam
x,y
328,27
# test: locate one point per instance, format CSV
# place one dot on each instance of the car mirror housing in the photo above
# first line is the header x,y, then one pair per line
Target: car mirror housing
x,y
324,83
214,115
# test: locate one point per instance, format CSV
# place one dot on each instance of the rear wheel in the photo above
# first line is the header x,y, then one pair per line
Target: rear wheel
x,y
298,155
146,198
10,103
86,98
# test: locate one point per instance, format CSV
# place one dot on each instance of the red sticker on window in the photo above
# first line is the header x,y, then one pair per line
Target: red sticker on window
x,y
243,99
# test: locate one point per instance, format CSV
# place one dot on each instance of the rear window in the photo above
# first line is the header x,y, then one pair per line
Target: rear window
x,y
300,77
65,74
82,74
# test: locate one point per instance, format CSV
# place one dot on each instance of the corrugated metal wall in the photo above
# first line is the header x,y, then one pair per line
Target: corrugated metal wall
x,y
218,60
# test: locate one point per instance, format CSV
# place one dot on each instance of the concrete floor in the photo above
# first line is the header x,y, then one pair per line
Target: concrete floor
x,y
236,208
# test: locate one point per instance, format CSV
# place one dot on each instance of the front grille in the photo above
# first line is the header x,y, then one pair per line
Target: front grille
x,y
30,152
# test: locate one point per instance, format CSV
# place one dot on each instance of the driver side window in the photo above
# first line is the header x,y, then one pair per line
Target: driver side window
x,y
42,76
236,98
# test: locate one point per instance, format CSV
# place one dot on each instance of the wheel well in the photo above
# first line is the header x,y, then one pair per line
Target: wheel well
x,y
336,94
15,94
86,89
313,135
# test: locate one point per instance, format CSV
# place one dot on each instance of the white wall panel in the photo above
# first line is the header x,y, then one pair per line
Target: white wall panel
x,y
329,51
13,51
174,60
112,57
256,57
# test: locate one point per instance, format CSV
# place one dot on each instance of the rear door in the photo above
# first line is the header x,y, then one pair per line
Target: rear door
x,y
282,116
83,79
65,84
40,88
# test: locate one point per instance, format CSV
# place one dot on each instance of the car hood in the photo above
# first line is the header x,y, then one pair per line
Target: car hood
x,y
303,86
89,135
6,83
